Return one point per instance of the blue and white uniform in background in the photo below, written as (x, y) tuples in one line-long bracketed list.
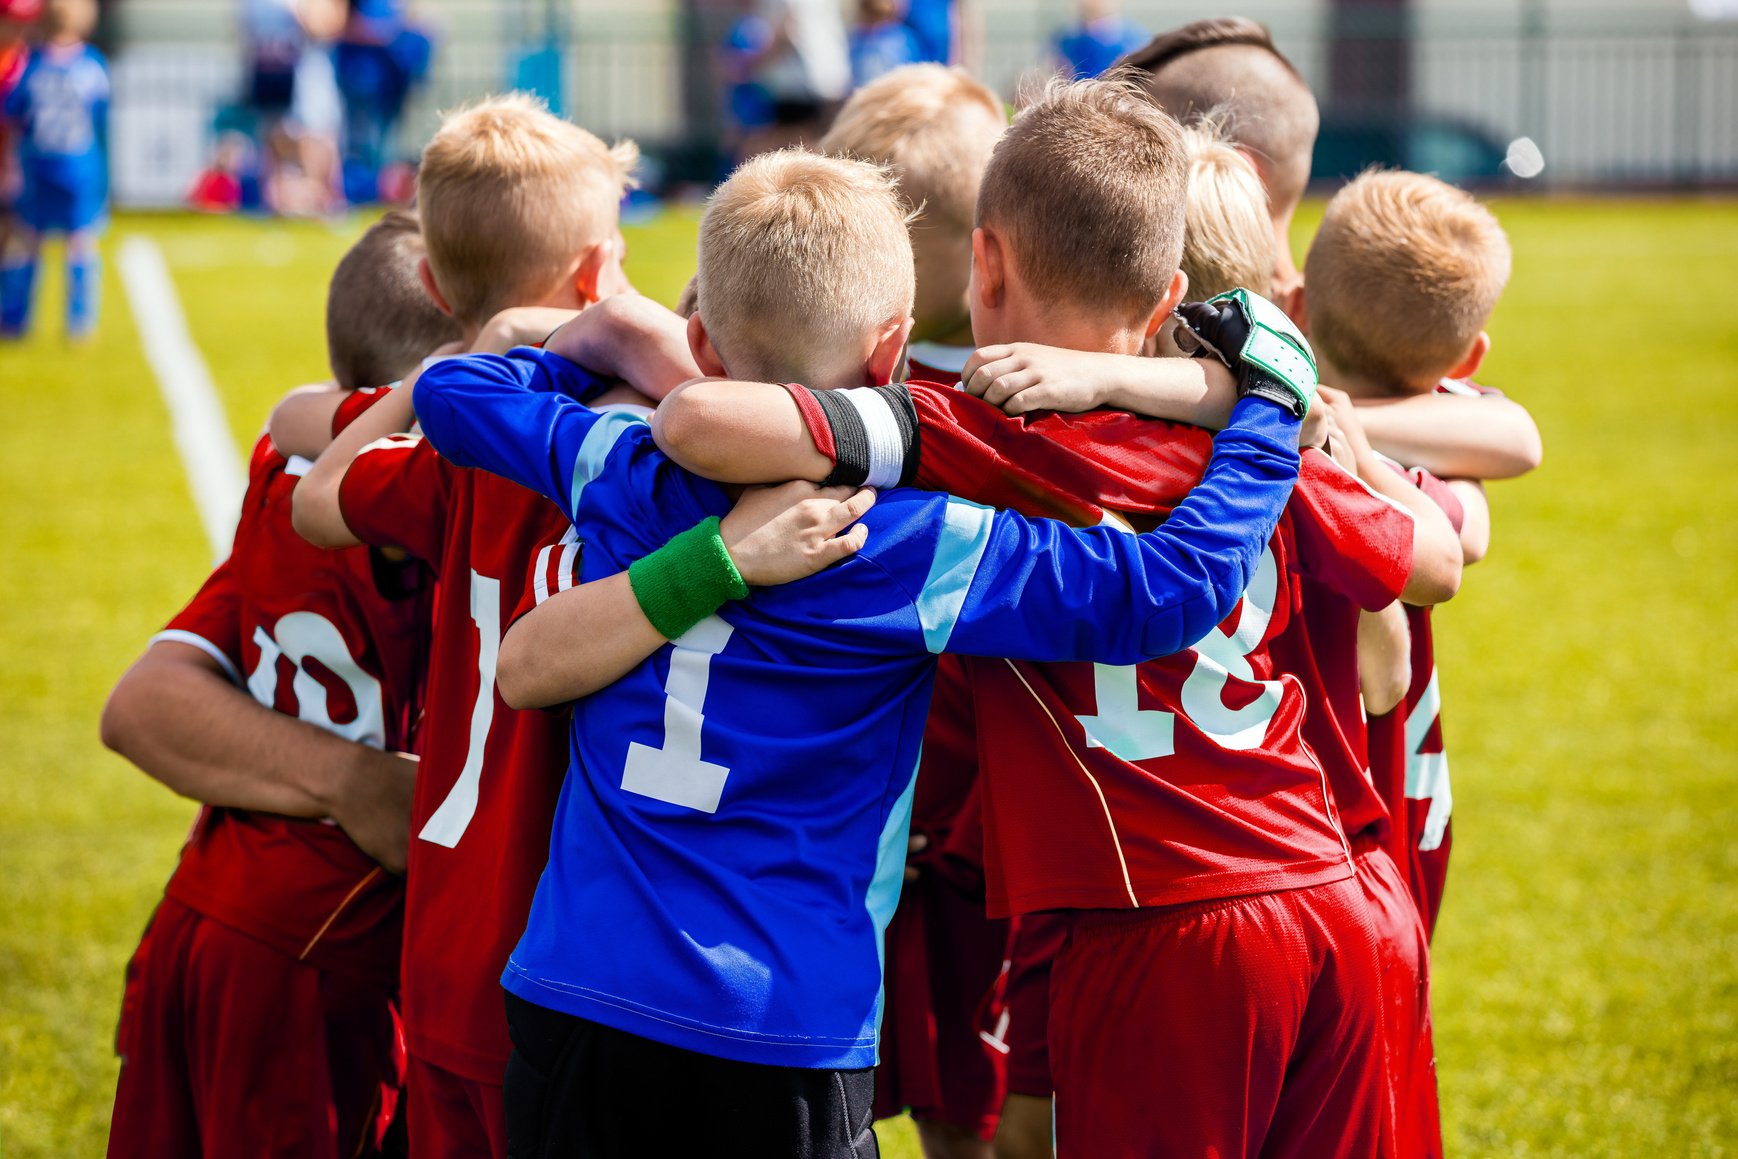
[(61, 109), (730, 840)]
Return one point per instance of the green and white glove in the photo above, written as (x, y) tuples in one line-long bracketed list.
[(1252, 336)]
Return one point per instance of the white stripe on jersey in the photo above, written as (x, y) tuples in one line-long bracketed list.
[(180, 636), (567, 567)]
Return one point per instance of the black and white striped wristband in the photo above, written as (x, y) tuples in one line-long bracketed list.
[(875, 435)]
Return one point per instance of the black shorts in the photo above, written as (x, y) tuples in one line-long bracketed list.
[(576, 1089)]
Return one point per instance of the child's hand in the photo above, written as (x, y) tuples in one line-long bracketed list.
[(784, 533), (1022, 377), (1348, 429)]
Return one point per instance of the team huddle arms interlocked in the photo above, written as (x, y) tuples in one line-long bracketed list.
[(973, 658)]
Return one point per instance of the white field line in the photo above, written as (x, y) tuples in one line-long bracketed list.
[(208, 453)]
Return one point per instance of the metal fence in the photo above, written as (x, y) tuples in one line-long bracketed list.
[(1610, 99)]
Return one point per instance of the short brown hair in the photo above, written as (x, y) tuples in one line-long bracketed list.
[(1089, 183), (933, 126), (1401, 277), (1227, 238), (510, 194), (801, 257), (380, 322), (1228, 67)]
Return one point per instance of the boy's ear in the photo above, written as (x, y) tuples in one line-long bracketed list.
[(434, 291), (1475, 356), (1296, 307), (1173, 297), (599, 272), (700, 346), (989, 268), (889, 348)]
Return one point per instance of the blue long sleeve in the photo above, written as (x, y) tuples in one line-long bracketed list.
[(1003, 585)]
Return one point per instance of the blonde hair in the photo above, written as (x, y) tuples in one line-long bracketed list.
[(801, 257), (1089, 185), (1227, 237), (510, 195), (934, 127), (1401, 277)]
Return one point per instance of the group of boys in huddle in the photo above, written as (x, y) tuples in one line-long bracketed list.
[(921, 673)]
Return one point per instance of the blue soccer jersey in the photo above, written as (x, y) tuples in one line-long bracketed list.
[(730, 839), (61, 106)]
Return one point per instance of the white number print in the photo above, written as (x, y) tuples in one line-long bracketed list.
[(1132, 733), (448, 823), (1427, 773), (303, 636), (675, 773)]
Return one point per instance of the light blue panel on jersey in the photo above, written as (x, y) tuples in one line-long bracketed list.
[(965, 533), (594, 450)]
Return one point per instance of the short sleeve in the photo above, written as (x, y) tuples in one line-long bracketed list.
[(1439, 493), (397, 493), (553, 569), (355, 404), (1349, 537), (211, 621)]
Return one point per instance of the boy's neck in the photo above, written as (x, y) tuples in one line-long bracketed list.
[(1358, 385), (1073, 330), (1286, 276)]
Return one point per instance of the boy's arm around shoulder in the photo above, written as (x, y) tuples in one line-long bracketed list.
[(1453, 437), (316, 510), (738, 432), (1040, 590)]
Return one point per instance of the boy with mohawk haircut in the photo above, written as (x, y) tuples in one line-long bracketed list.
[(1192, 843), (519, 209), (754, 891), (934, 128), (259, 1009)]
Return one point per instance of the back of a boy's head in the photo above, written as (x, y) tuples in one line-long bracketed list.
[(801, 258), (1401, 277), (1228, 67), (1088, 186), (510, 195), (934, 127), (1227, 237), (380, 321)]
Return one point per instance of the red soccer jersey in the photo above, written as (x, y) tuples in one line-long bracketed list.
[(333, 638), (490, 775), (1407, 755), (1179, 779)]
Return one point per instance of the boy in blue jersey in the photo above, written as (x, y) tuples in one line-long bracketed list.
[(61, 109), (731, 836)]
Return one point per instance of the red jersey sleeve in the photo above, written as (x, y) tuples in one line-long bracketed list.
[(397, 493), (1440, 493), (211, 621), (554, 568), (356, 404), (1350, 538)]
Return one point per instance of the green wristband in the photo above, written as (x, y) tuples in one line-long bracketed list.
[(686, 580)]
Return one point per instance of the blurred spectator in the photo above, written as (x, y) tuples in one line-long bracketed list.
[(805, 69), (932, 28), (293, 99), (380, 57), (60, 104), (1099, 40), (747, 103), (880, 41)]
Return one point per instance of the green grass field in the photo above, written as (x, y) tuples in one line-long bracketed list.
[(1587, 963)]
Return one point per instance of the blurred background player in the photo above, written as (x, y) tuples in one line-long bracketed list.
[(260, 1010), (60, 109), (1098, 38)]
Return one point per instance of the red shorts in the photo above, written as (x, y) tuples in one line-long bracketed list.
[(231, 1048), (1022, 1017), (943, 957), (1414, 1128), (453, 1117), (1237, 1027)]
